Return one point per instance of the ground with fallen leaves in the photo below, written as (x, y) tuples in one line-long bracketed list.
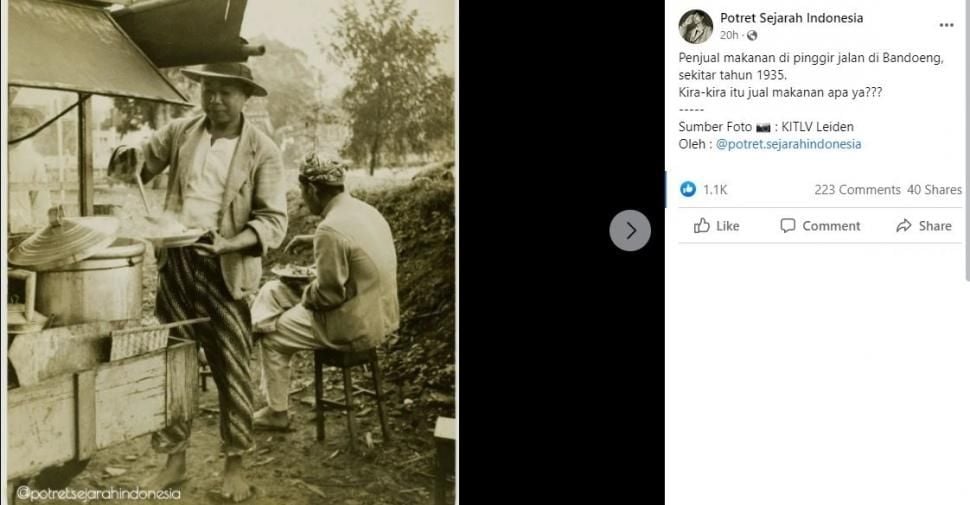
[(293, 467)]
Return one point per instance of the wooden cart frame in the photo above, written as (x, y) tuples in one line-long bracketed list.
[(70, 417)]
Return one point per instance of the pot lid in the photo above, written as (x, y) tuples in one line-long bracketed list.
[(65, 241)]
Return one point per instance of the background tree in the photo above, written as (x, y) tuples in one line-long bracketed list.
[(131, 113), (399, 101), (291, 82)]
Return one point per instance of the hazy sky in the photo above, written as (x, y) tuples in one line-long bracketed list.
[(299, 23)]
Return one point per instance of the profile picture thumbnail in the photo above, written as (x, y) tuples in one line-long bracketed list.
[(696, 26)]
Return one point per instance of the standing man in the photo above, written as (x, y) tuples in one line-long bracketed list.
[(352, 303), (226, 177)]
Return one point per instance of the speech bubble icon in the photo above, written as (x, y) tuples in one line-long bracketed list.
[(787, 224)]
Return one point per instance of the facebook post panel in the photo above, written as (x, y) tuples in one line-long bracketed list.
[(817, 303)]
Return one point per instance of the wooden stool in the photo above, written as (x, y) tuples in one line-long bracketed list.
[(204, 375), (444, 460), (205, 372), (346, 361)]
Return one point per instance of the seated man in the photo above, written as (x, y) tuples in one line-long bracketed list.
[(352, 304)]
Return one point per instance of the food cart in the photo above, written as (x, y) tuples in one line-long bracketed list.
[(89, 374)]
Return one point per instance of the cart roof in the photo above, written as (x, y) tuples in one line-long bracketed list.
[(186, 32), (74, 47)]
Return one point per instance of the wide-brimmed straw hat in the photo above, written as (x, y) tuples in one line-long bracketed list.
[(233, 71)]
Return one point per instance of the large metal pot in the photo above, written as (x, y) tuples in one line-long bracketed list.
[(106, 286)]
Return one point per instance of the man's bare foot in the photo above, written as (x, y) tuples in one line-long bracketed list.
[(234, 485), (172, 474), (269, 419)]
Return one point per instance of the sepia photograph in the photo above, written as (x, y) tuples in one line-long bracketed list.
[(230, 236)]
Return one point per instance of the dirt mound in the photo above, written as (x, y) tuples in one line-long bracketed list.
[(441, 171)]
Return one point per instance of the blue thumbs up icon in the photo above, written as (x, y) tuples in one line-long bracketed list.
[(688, 189)]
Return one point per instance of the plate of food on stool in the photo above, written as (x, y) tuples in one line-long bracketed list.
[(295, 275)]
